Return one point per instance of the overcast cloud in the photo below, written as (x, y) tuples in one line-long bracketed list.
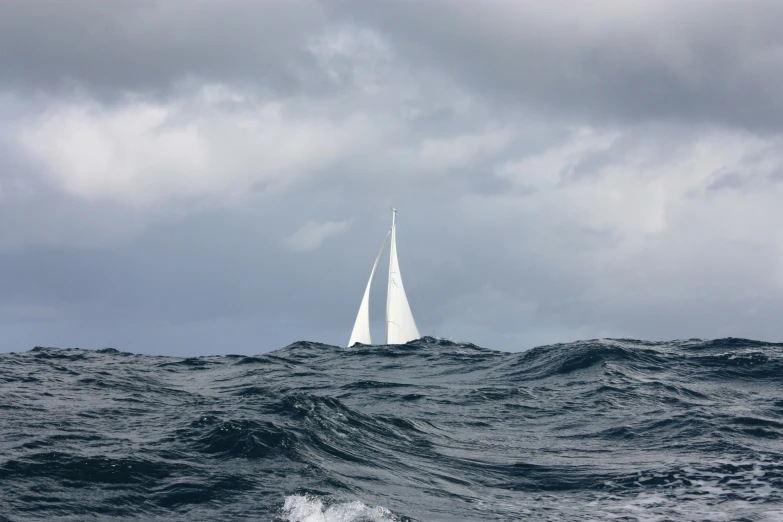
[(211, 177)]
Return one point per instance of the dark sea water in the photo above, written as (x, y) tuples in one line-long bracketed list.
[(432, 430)]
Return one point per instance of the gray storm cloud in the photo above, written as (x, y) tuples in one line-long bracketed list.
[(211, 177)]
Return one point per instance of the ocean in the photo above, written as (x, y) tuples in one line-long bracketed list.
[(432, 430)]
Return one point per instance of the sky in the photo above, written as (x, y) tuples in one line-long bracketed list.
[(206, 177)]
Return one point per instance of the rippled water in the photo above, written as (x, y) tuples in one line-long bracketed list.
[(431, 430)]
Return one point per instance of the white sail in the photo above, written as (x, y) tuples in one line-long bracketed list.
[(361, 328), (400, 326)]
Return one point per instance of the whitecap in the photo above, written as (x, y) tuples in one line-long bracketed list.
[(309, 508)]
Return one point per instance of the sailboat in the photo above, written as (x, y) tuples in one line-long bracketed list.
[(400, 326)]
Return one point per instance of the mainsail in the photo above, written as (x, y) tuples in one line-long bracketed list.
[(400, 326)]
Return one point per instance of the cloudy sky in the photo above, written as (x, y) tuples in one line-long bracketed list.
[(202, 177)]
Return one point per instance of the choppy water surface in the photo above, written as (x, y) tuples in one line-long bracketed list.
[(431, 430)]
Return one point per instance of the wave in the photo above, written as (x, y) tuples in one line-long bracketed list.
[(430, 430)]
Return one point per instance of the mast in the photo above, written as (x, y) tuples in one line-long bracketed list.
[(392, 253)]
